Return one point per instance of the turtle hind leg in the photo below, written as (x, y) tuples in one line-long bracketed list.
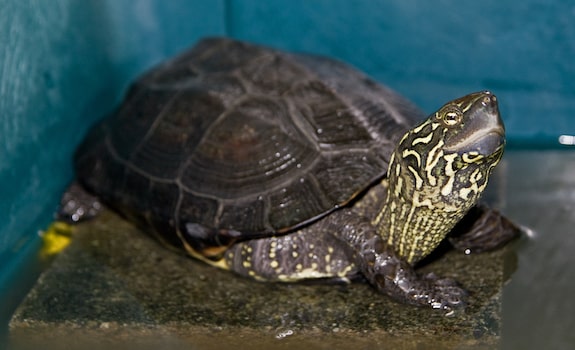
[(483, 229), (78, 205)]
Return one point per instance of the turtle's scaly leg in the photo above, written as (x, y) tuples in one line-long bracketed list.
[(305, 254), (483, 229), (76, 205), (338, 247), (391, 274)]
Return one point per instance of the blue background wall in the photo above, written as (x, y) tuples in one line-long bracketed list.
[(65, 63)]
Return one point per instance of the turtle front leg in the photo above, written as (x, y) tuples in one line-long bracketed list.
[(392, 275), (341, 246), (483, 229)]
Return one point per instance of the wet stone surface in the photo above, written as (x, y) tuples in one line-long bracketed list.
[(115, 284)]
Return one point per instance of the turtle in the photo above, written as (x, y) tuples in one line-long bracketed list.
[(284, 166)]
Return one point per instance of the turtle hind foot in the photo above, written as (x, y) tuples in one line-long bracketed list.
[(78, 205), (483, 229)]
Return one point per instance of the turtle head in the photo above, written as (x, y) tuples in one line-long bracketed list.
[(439, 170), (472, 128), (466, 141)]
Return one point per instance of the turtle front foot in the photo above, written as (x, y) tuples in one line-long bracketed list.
[(440, 293), (393, 276)]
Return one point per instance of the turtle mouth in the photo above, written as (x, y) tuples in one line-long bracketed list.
[(482, 131), (485, 142), (491, 142)]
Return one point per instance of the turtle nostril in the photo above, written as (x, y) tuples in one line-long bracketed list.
[(489, 99)]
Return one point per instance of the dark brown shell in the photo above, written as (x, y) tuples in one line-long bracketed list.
[(234, 136)]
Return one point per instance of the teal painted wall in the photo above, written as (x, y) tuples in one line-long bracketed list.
[(431, 51), (65, 63)]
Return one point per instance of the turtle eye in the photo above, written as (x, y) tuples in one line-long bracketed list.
[(451, 117)]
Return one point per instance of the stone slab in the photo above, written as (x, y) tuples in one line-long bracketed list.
[(115, 285)]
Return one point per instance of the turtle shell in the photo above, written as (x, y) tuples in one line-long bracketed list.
[(237, 137)]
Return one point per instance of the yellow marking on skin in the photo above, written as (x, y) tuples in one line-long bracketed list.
[(347, 270), (475, 176), (378, 217), (308, 273), (450, 158), (391, 160), (418, 179), (448, 188), (409, 152), (450, 173), (294, 254), (404, 232), (482, 187), (464, 192), (424, 203), (403, 138), (299, 267), (311, 246), (246, 264), (274, 264), (466, 108), (432, 158), (425, 139), (471, 157), (393, 211), (418, 129), (414, 244), (406, 226), (398, 186), (251, 273)]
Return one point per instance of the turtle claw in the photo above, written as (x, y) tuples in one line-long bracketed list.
[(78, 205), (442, 293), (396, 278)]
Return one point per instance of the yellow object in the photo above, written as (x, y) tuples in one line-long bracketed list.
[(56, 238)]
